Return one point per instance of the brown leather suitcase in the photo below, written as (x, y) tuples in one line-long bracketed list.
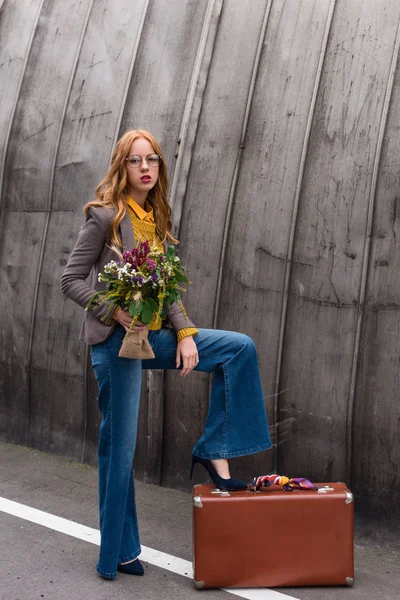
[(273, 538)]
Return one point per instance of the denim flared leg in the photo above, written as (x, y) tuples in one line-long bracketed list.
[(236, 424), (130, 533), (119, 382)]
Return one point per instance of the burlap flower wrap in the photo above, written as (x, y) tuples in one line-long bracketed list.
[(136, 345)]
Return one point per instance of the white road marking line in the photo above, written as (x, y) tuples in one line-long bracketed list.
[(148, 555), (51, 521)]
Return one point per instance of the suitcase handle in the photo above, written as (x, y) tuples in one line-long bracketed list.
[(284, 482)]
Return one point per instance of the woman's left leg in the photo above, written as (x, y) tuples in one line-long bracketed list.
[(236, 423)]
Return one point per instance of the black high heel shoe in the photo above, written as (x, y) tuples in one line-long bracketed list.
[(223, 484), (134, 567)]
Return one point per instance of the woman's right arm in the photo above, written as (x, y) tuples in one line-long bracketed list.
[(90, 244)]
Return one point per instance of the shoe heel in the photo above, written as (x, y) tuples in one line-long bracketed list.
[(219, 482)]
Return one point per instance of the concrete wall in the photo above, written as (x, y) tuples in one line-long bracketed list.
[(280, 124)]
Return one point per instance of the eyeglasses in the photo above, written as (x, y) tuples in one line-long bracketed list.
[(135, 161)]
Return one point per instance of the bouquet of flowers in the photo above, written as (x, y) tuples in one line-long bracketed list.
[(143, 282)]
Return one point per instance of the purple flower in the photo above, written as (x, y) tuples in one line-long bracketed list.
[(154, 277), (136, 280), (139, 253)]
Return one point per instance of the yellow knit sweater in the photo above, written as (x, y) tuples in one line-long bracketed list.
[(144, 228)]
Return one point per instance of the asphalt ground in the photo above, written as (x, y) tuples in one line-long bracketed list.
[(37, 561)]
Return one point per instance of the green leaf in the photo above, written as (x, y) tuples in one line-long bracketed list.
[(92, 299), (150, 307), (179, 276), (135, 308), (170, 252)]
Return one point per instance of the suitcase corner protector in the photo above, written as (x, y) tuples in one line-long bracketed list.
[(198, 584), (197, 502), (349, 498), (349, 581)]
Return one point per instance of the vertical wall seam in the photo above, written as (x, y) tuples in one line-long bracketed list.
[(65, 107), (85, 401), (293, 226), (14, 108), (366, 256), (155, 394), (190, 119), (49, 206), (189, 125), (5, 149), (149, 382), (129, 77), (232, 191)]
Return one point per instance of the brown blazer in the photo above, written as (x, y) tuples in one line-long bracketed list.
[(89, 256)]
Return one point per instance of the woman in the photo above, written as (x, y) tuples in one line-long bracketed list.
[(131, 205)]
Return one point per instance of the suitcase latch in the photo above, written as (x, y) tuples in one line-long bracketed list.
[(220, 492), (324, 489)]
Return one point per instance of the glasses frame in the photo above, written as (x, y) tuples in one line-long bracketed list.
[(144, 158)]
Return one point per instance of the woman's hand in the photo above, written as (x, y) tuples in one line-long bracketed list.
[(186, 353), (125, 319)]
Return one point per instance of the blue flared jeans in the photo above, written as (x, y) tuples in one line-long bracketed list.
[(236, 423)]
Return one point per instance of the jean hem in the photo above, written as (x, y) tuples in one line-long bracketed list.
[(106, 575), (129, 557), (216, 455)]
